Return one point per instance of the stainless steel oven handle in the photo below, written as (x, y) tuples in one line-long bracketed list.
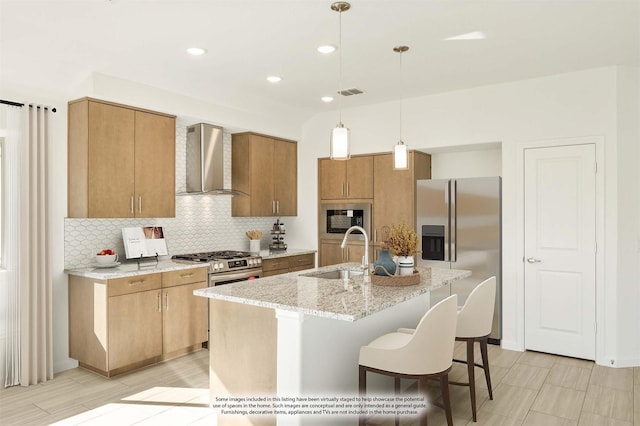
[(213, 278)]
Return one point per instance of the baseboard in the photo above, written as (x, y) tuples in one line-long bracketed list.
[(624, 363)]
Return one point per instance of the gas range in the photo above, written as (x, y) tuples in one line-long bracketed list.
[(223, 261)]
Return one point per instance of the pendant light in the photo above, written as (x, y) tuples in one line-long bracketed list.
[(340, 134), (400, 155)]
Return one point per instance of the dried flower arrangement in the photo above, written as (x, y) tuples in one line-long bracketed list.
[(403, 240)]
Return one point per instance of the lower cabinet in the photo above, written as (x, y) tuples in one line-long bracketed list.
[(184, 320), (331, 253), (285, 264), (134, 324), (121, 324)]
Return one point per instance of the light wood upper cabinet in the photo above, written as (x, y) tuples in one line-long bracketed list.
[(394, 191), (346, 179), (265, 168), (121, 161), (155, 159)]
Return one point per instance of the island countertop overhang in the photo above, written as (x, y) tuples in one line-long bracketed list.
[(345, 300)]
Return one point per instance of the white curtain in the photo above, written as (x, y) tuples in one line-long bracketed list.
[(29, 352)]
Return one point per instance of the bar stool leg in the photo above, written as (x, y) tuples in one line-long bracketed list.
[(422, 390), (472, 377), (485, 364), (397, 392), (362, 384), (444, 387)]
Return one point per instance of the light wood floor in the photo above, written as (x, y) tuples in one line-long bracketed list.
[(529, 389)]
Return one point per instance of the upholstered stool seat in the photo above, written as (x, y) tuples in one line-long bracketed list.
[(425, 353)]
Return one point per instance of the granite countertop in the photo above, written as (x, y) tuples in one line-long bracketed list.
[(128, 269), (346, 300), (290, 252)]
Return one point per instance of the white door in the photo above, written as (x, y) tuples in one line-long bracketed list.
[(560, 250)]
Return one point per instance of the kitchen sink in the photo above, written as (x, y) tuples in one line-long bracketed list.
[(335, 274)]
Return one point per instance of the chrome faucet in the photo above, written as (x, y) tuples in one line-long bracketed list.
[(365, 258)]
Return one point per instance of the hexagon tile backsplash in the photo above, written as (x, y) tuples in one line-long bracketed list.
[(202, 222)]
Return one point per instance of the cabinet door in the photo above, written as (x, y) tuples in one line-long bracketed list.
[(359, 177), (135, 328), (355, 253), (285, 178), (110, 161), (155, 156), (332, 179), (393, 200), (184, 319), (262, 167), (330, 254)]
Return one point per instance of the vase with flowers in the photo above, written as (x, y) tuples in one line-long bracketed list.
[(403, 242)]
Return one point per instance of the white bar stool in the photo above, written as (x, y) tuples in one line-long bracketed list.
[(425, 353), (475, 320)]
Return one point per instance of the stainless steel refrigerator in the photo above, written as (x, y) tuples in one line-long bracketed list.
[(459, 225)]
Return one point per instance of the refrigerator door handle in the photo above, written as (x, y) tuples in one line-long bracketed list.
[(447, 230), (453, 226)]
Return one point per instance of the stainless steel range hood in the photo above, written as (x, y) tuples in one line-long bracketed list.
[(205, 161)]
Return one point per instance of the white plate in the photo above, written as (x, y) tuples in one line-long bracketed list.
[(106, 265)]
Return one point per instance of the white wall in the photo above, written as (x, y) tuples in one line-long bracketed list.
[(561, 106), (568, 105), (628, 292), (467, 163)]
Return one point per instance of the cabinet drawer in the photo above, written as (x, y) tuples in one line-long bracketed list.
[(133, 284), (184, 276), (274, 264), (307, 260)]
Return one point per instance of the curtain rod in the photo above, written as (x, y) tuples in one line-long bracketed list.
[(18, 104)]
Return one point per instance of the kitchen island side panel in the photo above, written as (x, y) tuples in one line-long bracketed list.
[(242, 356)]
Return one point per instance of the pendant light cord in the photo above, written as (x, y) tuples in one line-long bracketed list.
[(401, 97), (340, 67)]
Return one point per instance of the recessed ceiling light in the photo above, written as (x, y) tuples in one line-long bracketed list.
[(274, 79), (475, 35), (327, 48), (327, 99), (196, 51)]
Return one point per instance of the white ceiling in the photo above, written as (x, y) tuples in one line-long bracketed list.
[(53, 46)]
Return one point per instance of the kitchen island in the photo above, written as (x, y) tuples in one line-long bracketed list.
[(298, 335)]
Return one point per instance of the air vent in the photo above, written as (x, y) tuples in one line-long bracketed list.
[(349, 92)]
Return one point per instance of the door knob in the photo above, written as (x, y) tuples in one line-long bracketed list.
[(533, 260)]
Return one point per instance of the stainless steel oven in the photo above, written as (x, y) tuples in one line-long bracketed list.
[(226, 266), (336, 219), (233, 277)]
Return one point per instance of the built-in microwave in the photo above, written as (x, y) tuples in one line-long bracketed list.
[(336, 219)]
